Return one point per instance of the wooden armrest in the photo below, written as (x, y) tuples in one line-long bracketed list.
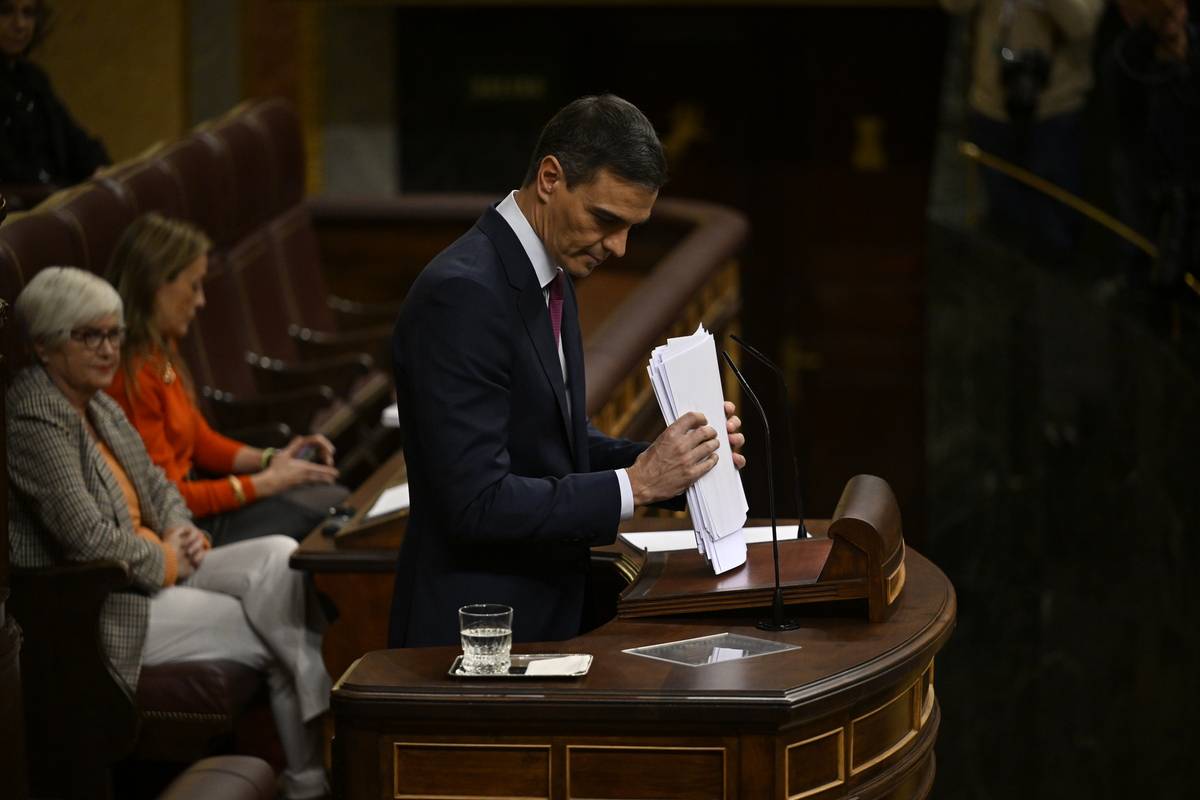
[(352, 315), (374, 341), (294, 409), (337, 372), (69, 682)]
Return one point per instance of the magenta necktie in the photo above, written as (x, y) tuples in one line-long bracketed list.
[(555, 305)]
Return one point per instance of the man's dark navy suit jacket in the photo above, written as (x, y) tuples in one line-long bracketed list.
[(508, 488)]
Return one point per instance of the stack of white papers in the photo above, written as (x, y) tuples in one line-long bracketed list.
[(685, 377)]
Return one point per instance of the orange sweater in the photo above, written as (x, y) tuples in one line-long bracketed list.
[(178, 438), (170, 560)]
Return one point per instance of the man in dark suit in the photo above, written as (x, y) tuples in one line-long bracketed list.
[(510, 484)]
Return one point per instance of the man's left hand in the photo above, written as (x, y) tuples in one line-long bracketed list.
[(733, 426)]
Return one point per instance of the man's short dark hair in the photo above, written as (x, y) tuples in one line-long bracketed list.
[(601, 132)]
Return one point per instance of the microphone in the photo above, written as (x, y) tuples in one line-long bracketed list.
[(777, 621), (787, 419)]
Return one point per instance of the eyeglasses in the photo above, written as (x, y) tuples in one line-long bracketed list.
[(92, 337)]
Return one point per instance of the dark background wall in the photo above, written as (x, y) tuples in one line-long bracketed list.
[(1063, 505)]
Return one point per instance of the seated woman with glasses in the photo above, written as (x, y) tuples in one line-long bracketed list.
[(82, 488), (158, 268)]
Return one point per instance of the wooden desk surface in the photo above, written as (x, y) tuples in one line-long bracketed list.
[(365, 546), (837, 654)]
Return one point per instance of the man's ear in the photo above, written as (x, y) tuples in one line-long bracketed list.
[(549, 178)]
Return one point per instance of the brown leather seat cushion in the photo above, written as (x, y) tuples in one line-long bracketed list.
[(150, 186), (189, 706), (27, 245), (97, 216), (276, 122), (214, 688), (226, 778), (255, 188), (207, 181)]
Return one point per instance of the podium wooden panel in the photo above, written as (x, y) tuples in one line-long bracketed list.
[(852, 713)]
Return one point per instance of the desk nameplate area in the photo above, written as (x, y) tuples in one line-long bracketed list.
[(717, 648)]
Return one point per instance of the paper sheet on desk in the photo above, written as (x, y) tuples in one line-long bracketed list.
[(561, 665), (391, 500), (663, 541), (390, 418)]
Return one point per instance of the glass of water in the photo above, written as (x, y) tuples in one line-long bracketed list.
[(486, 630)]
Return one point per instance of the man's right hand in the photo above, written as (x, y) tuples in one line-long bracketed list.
[(682, 453)]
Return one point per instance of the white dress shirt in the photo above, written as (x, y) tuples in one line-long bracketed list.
[(546, 271)]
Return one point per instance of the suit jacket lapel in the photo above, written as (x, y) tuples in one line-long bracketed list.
[(532, 306)]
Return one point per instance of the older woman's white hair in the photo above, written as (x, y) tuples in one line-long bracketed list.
[(60, 299)]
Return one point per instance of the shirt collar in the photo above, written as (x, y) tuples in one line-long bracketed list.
[(542, 266)]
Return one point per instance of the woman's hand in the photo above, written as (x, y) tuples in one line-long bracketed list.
[(287, 470), (315, 448), (189, 544)]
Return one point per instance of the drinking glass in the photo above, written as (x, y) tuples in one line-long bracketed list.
[(486, 631)]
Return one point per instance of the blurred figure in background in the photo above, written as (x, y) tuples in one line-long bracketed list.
[(40, 144), (1031, 72), (1155, 62), (235, 491)]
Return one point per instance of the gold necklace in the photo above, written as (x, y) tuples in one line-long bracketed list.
[(168, 375)]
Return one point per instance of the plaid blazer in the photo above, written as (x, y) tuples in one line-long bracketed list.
[(65, 504)]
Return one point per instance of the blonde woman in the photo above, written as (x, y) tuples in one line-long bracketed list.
[(235, 491)]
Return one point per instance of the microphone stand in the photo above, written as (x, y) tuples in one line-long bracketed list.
[(787, 419), (777, 621)]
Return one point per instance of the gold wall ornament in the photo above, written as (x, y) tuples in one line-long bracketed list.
[(687, 128), (868, 154)]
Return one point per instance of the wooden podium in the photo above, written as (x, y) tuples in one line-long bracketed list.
[(851, 713), (862, 558)]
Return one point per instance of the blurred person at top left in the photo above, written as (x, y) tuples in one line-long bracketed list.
[(40, 144), (235, 491)]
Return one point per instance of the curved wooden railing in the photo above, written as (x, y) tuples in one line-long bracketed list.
[(977, 155), (696, 282), (374, 244)]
